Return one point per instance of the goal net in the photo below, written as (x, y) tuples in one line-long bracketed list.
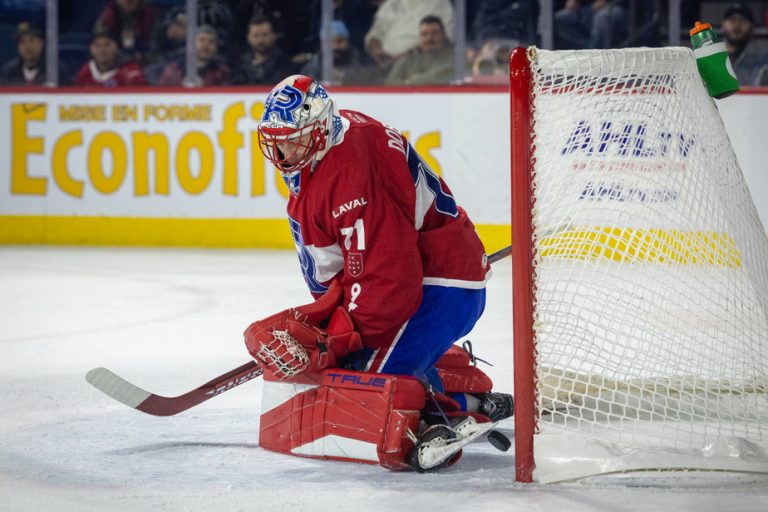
[(640, 271)]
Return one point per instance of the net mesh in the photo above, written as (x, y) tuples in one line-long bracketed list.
[(651, 264)]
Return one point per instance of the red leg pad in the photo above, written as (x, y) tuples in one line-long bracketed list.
[(352, 416), (458, 374), (465, 380), (454, 357)]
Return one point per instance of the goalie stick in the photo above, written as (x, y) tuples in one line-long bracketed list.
[(133, 396), (500, 254), (137, 398)]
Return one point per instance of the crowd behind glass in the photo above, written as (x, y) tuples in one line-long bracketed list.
[(115, 43)]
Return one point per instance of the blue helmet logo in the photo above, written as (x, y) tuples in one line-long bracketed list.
[(282, 104)]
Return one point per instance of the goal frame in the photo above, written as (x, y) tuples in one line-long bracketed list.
[(520, 80), (709, 397)]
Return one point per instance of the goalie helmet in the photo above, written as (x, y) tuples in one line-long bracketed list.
[(297, 123)]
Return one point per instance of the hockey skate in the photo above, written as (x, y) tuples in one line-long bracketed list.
[(440, 445), (497, 406)]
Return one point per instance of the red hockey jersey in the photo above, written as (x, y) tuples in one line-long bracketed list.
[(373, 215), (126, 74)]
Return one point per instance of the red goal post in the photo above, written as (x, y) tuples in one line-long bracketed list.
[(522, 252)]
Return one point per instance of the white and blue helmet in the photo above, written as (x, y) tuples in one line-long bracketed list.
[(298, 123)]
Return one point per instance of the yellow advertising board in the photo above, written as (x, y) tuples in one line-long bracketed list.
[(185, 168)]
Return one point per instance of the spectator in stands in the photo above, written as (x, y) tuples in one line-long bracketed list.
[(491, 65), (106, 67), (395, 28), (295, 22), (358, 16), (210, 67), (133, 22), (431, 62), (762, 76), (610, 23), (350, 65), (265, 62), (170, 35), (505, 19), (746, 56), (573, 25), (29, 67), (168, 42), (218, 14)]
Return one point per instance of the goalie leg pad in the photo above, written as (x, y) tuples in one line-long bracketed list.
[(459, 375), (350, 416)]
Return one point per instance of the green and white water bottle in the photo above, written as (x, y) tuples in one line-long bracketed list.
[(713, 62)]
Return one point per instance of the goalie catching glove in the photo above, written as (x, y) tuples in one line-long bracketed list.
[(293, 341)]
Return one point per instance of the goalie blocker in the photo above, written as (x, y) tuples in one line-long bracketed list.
[(361, 417)]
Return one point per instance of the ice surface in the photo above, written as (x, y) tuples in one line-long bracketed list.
[(169, 320)]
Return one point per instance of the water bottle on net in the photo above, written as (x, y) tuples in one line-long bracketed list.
[(712, 60)]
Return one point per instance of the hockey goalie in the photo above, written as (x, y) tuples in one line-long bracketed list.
[(369, 371)]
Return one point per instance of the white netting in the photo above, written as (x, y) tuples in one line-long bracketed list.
[(651, 266), (284, 355)]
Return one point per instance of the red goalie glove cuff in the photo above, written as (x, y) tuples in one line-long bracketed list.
[(342, 334), (317, 312)]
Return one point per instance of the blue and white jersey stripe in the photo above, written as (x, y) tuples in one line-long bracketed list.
[(429, 189), (318, 264)]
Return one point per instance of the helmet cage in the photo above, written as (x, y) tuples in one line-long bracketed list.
[(296, 123), (289, 148)]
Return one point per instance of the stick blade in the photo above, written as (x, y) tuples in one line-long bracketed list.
[(116, 387)]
